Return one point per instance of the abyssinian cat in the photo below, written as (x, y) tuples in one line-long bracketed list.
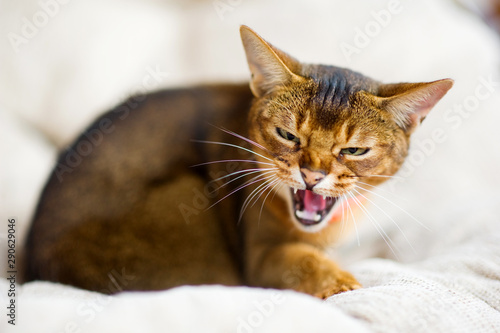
[(225, 184)]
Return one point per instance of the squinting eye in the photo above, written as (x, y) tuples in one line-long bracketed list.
[(287, 135), (354, 151)]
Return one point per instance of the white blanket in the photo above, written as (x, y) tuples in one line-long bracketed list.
[(428, 256)]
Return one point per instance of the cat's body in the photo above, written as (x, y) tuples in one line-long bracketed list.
[(136, 203), (131, 202)]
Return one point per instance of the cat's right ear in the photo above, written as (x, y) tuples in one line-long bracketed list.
[(269, 66), (409, 103)]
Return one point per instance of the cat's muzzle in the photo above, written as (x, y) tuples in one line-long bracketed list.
[(311, 208)]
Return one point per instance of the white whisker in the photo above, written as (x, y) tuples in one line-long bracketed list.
[(236, 190), (342, 221), (243, 138), (277, 190), (254, 193), (390, 218), (277, 182), (353, 218), (377, 226), (244, 175), (378, 188), (397, 206), (379, 176), (234, 146), (246, 172), (227, 161)]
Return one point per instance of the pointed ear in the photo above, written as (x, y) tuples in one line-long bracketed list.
[(409, 103), (269, 66)]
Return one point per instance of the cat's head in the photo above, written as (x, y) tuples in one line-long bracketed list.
[(329, 131)]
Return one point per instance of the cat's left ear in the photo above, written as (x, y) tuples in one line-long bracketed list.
[(270, 67), (409, 103)]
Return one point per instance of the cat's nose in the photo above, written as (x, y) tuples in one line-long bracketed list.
[(311, 178)]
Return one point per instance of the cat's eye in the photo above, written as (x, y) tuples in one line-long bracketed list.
[(287, 135), (354, 151)]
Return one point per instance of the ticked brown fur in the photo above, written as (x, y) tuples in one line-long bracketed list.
[(146, 209)]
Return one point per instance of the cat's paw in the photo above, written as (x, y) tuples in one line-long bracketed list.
[(337, 288), (328, 280)]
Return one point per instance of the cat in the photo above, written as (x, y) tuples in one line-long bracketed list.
[(225, 184)]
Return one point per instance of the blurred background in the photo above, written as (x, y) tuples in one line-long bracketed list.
[(64, 62)]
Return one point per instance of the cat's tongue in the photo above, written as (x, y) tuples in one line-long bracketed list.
[(311, 208), (313, 202)]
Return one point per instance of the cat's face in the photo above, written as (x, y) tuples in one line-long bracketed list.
[(329, 133), (324, 154)]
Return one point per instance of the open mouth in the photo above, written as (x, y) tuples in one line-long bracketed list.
[(311, 208)]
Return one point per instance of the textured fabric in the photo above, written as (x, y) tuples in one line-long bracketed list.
[(455, 292), (47, 307)]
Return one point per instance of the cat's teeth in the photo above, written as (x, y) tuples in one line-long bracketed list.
[(309, 215), (305, 215), (295, 190), (324, 197)]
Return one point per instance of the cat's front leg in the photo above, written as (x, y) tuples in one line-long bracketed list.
[(301, 267)]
